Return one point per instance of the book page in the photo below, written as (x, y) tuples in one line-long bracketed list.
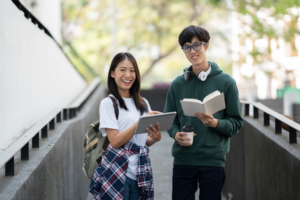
[(189, 108), (214, 105), (192, 100), (211, 95)]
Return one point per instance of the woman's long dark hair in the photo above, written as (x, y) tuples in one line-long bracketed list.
[(139, 102)]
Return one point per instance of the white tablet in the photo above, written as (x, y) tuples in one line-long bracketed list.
[(165, 120)]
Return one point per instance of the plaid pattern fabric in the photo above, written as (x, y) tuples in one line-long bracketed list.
[(109, 178)]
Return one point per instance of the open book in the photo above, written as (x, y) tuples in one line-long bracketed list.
[(211, 104)]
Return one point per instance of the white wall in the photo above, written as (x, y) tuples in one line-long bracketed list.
[(48, 12), (35, 76)]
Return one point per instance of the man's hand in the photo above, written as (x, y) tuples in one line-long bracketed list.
[(207, 119), (182, 139)]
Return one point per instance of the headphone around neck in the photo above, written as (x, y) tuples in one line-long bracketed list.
[(201, 76)]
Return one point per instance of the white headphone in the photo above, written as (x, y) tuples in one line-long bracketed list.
[(203, 75)]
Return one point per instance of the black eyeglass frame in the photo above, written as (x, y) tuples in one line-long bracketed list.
[(192, 46)]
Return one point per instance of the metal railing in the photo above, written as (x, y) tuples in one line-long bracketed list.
[(279, 119), (7, 156)]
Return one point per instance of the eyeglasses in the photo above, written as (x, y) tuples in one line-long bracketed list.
[(196, 46)]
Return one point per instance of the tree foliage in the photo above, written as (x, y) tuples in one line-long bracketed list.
[(272, 18), (148, 28)]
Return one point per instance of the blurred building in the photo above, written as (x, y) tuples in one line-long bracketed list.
[(262, 65)]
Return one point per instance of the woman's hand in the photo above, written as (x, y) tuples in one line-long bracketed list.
[(155, 133), (152, 112)]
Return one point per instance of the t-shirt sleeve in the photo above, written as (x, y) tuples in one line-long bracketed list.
[(107, 116), (148, 105)]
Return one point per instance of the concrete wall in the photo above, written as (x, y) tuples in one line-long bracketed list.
[(35, 75), (262, 165), (48, 13), (296, 113), (54, 172), (274, 104)]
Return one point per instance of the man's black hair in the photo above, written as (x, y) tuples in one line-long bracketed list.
[(189, 32)]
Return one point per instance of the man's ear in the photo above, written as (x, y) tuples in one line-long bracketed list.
[(112, 74), (206, 46)]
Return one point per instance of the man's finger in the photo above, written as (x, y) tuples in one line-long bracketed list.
[(185, 138), (200, 116), (183, 143), (197, 114), (206, 115), (182, 134)]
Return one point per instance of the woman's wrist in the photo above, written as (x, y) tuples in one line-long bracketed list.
[(153, 139)]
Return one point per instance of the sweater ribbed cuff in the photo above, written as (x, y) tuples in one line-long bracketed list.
[(222, 126), (174, 131)]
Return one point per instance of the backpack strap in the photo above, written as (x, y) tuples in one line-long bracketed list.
[(106, 141)]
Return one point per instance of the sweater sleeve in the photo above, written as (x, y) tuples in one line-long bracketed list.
[(170, 106), (233, 120)]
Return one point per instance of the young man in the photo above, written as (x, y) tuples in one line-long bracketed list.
[(202, 162)]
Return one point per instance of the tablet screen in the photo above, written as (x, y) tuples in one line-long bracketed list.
[(165, 120)]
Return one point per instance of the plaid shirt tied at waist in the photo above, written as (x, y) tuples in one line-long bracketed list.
[(109, 178)]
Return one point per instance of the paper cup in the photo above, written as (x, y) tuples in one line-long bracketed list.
[(190, 135)]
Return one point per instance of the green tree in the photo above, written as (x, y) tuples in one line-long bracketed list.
[(98, 29)]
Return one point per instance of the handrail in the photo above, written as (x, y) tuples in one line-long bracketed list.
[(34, 20), (277, 115), (279, 119), (7, 156), (32, 133)]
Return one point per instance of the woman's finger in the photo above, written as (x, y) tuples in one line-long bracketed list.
[(153, 128), (156, 112), (158, 127)]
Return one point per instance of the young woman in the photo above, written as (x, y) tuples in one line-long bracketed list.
[(125, 170)]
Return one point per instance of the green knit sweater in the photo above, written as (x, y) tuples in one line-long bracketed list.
[(210, 145)]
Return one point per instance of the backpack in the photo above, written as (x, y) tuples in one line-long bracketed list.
[(95, 145)]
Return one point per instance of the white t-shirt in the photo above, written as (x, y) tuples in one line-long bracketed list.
[(125, 120)]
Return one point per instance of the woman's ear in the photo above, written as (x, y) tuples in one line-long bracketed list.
[(112, 74)]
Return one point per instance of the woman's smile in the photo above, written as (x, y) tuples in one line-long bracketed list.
[(126, 82)]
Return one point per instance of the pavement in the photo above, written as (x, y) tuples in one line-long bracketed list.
[(162, 165)]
